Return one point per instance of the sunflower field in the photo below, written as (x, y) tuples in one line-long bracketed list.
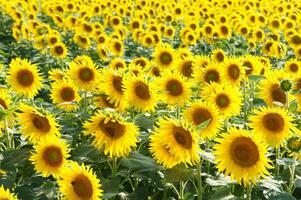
[(150, 99)]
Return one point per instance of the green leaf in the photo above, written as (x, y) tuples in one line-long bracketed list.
[(220, 181), (144, 122), (222, 193), (24, 192), (139, 163), (110, 187), (203, 125), (256, 77), (177, 174), (271, 184), (13, 158), (283, 196), (293, 106), (258, 102), (286, 161)]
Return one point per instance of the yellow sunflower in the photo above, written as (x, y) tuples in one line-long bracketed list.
[(173, 88), (227, 98), (251, 64), (233, 71), (140, 93), (116, 47), (112, 85), (164, 56), (82, 40), (211, 73), (24, 77), (272, 124), (117, 63), (185, 66), (50, 156), (270, 90), (174, 142), (56, 74), (199, 112), (36, 125), (79, 182), (218, 55), (241, 156), (112, 134), (6, 195), (83, 73), (293, 66), (59, 50), (65, 95)]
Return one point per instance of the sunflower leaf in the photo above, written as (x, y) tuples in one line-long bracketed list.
[(178, 173)]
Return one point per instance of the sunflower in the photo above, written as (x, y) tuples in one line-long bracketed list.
[(112, 85), (101, 101), (78, 182), (82, 40), (24, 77), (271, 91), (173, 88), (174, 142), (83, 73), (53, 38), (59, 50), (117, 63), (112, 134), (50, 156), (226, 97), (164, 56), (292, 66), (36, 125), (140, 93), (116, 47), (6, 195), (251, 64), (224, 31), (241, 156), (218, 55), (56, 74), (185, 66), (199, 112), (233, 71), (65, 95), (272, 124), (5, 101), (211, 73)]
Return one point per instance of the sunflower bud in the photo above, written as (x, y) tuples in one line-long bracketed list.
[(286, 85), (294, 144)]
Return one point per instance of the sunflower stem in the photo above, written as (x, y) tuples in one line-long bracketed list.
[(276, 164), (199, 181), (85, 101), (249, 191), (114, 167), (291, 186), (181, 192)]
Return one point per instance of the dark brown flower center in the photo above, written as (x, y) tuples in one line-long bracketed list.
[(68, 94), (117, 83), (3, 103), (25, 78), (244, 152), (174, 87), (183, 137), (117, 46), (86, 74), (112, 129), (293, 67), (296, 39), (142, 90), (187, 69), (277, 94), (53, 40), (212, 76), (249, 67), (41, 123), (53, 156), (59, 50), (201, 115), (165, 58), (220, 57), (273, 122), (233, 71), (222, 101), (82, 187)]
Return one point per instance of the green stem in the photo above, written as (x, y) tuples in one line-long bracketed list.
[(276, 164), (114, 167), (199, 181), (181, 193), (85, 101), (248, 191), (292, 170), (165, 193)]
